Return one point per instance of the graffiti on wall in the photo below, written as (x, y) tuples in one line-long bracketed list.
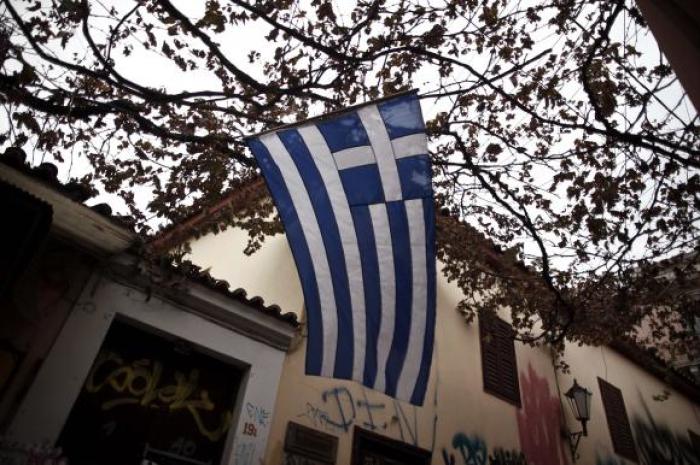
[(339, 410), (472, 450), (507, 457), (539, 421), (256, 419), (146, 396), (140, 383), (16, 453), (244, 453), (659, 445), (257, 415), (656, 444)]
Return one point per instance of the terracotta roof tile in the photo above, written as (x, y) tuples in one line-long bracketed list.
[(201, 276)]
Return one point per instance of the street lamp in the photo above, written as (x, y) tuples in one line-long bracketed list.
[(580, 403)]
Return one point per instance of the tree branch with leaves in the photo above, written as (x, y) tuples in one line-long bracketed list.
[(557, 130)]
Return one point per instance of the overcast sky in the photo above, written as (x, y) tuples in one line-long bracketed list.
[(150, 68)]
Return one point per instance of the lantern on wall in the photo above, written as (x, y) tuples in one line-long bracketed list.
[(580, 402)]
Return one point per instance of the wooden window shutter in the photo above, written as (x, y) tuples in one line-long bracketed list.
[(618, 422), (306, 445), (498, 363)]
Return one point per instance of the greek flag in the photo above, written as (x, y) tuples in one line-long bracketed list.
[(353, 190)]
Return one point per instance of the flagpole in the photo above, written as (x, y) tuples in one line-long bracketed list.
[(332, 113)]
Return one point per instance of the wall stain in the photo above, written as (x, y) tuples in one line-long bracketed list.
[(539, 421)]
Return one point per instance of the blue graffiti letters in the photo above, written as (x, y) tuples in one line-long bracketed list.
[(346, 417), (369, 407), (472, 449)]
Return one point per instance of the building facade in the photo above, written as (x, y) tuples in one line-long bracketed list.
[(112, 357), (109, 357), (481, 407)]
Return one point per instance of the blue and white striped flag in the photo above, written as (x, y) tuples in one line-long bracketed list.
[(353, 190)]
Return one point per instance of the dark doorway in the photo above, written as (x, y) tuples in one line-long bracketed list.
[(151, 399), (372, 449)]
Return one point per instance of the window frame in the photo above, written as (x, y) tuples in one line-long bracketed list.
[(504, 382), (414, 455), (618, 421), (306, 443)]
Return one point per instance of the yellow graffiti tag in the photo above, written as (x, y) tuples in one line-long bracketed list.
[(140, 383)]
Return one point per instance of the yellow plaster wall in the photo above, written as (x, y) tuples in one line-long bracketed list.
[(269, 273), (337, 406), (462, 414), (651, 419)]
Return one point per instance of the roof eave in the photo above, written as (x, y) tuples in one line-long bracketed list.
[(74, 221), (237, 314)]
